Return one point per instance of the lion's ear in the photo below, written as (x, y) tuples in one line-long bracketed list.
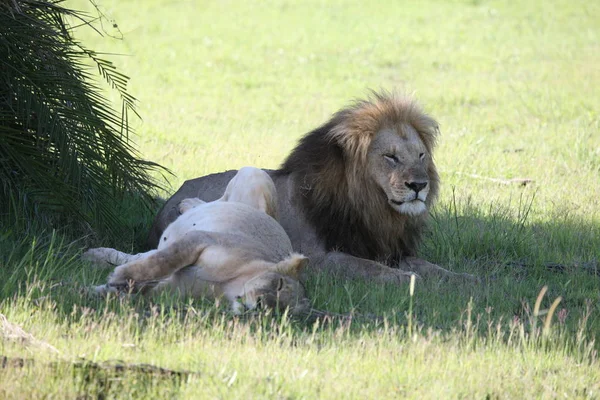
[(292, 265), (301, 262)]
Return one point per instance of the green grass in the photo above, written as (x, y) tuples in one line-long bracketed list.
[(221, 85)]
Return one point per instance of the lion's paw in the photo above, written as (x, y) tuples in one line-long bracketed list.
[(468, 277), (396, 276)]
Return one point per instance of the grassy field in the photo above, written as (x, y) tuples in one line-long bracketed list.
[(514, 85)]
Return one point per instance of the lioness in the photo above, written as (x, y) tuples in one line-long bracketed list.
[(232, 247), (354, 194)]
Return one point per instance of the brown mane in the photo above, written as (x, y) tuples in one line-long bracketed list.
[(349, 212)]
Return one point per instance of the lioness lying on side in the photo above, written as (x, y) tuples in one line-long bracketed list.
[(232, 247)]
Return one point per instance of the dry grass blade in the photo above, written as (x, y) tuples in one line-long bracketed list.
[(538, 302), (548, 321), (502, 181), (313, 315)]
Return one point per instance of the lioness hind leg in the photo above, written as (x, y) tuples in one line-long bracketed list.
[(106, 257), (254, 187), (164, 262)]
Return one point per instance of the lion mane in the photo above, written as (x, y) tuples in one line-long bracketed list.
[(339, 199)]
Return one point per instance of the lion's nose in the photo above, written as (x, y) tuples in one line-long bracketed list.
[(416, 186)]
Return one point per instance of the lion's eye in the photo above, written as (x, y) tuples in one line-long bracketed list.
[(391, 158), (422, 156)]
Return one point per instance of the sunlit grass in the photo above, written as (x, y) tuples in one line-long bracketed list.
[(221, 85), (267, 356)]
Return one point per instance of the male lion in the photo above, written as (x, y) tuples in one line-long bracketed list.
[(231, 248), (354, 193)]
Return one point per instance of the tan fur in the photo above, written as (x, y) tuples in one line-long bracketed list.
[(249, 186), (232, 248), (358, 125), (354, 194)]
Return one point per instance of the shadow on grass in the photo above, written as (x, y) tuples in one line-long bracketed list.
[(101, 380), (513, 257)]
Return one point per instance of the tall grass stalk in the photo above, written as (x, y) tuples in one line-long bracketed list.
[(411, 293)]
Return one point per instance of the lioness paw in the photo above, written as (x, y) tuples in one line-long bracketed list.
[(237, 308), (103, 257), (188, 204), (103, 290)]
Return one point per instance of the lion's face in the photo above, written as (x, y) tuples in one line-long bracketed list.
[(276, 291), (398, 161)]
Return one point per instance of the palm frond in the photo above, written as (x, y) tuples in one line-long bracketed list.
[(63, 149)]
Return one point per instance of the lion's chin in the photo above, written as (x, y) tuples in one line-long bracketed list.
[(413, 207)]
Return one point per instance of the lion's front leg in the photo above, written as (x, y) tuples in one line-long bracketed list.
[(352, 267), (106, 257)]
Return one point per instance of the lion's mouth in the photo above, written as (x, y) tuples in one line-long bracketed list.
[(409, 207), (399, 203)]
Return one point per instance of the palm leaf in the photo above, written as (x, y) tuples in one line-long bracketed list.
[(65, 152)]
